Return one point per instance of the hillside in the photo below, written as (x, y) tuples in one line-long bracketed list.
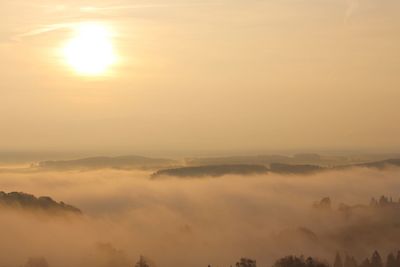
[(216, 170), (121, 162), (26, 201), (212, 170)]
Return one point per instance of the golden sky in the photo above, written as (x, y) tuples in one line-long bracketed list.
[(203, 75)]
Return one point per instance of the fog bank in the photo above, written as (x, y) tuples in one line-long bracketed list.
[(196, 222)]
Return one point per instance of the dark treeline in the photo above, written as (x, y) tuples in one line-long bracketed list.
[(382, 202), (375, 260)]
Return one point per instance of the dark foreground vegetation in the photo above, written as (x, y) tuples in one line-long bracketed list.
[(375, 260)]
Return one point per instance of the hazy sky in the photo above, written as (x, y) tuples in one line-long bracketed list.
[(204, 75)]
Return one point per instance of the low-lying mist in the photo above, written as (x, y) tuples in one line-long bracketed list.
[(192, 222)]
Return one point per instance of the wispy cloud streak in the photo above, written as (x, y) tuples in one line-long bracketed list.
[(78, 14), (94, 9)]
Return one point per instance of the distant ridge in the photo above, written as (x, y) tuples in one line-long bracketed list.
[(30, 202), (251, 169), (295, 168), (381, 164), (297, 159), (121, 162), (237, 169), (241, 165), (212, 170)]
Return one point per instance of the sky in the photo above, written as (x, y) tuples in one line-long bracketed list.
[(203, 75)]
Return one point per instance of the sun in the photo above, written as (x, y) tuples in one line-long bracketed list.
[(90, 51)]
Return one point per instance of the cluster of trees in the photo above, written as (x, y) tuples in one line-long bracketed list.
[(348, 261), (142, 262), (374, 261), (294, 261), (384, 202), (323, 204), (42, 262), (289, 261), (245, 262)]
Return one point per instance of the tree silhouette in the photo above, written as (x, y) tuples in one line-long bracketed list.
[(376, 260), (293, 261), (245, 262), (323, 204), (398, 258), (350, 262), (142, 262), (366, 263), (391, 261), (338, 261)]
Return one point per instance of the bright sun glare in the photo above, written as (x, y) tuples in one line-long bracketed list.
[(90, 51)]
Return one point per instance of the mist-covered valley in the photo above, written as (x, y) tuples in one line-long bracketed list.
[(206, 220)]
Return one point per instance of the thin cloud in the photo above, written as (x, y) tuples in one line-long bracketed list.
[(94, 9), (43, 30), (46, 29), (97, 10)]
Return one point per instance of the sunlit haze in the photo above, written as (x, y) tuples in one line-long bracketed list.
[(200, 75), (200, 133)]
